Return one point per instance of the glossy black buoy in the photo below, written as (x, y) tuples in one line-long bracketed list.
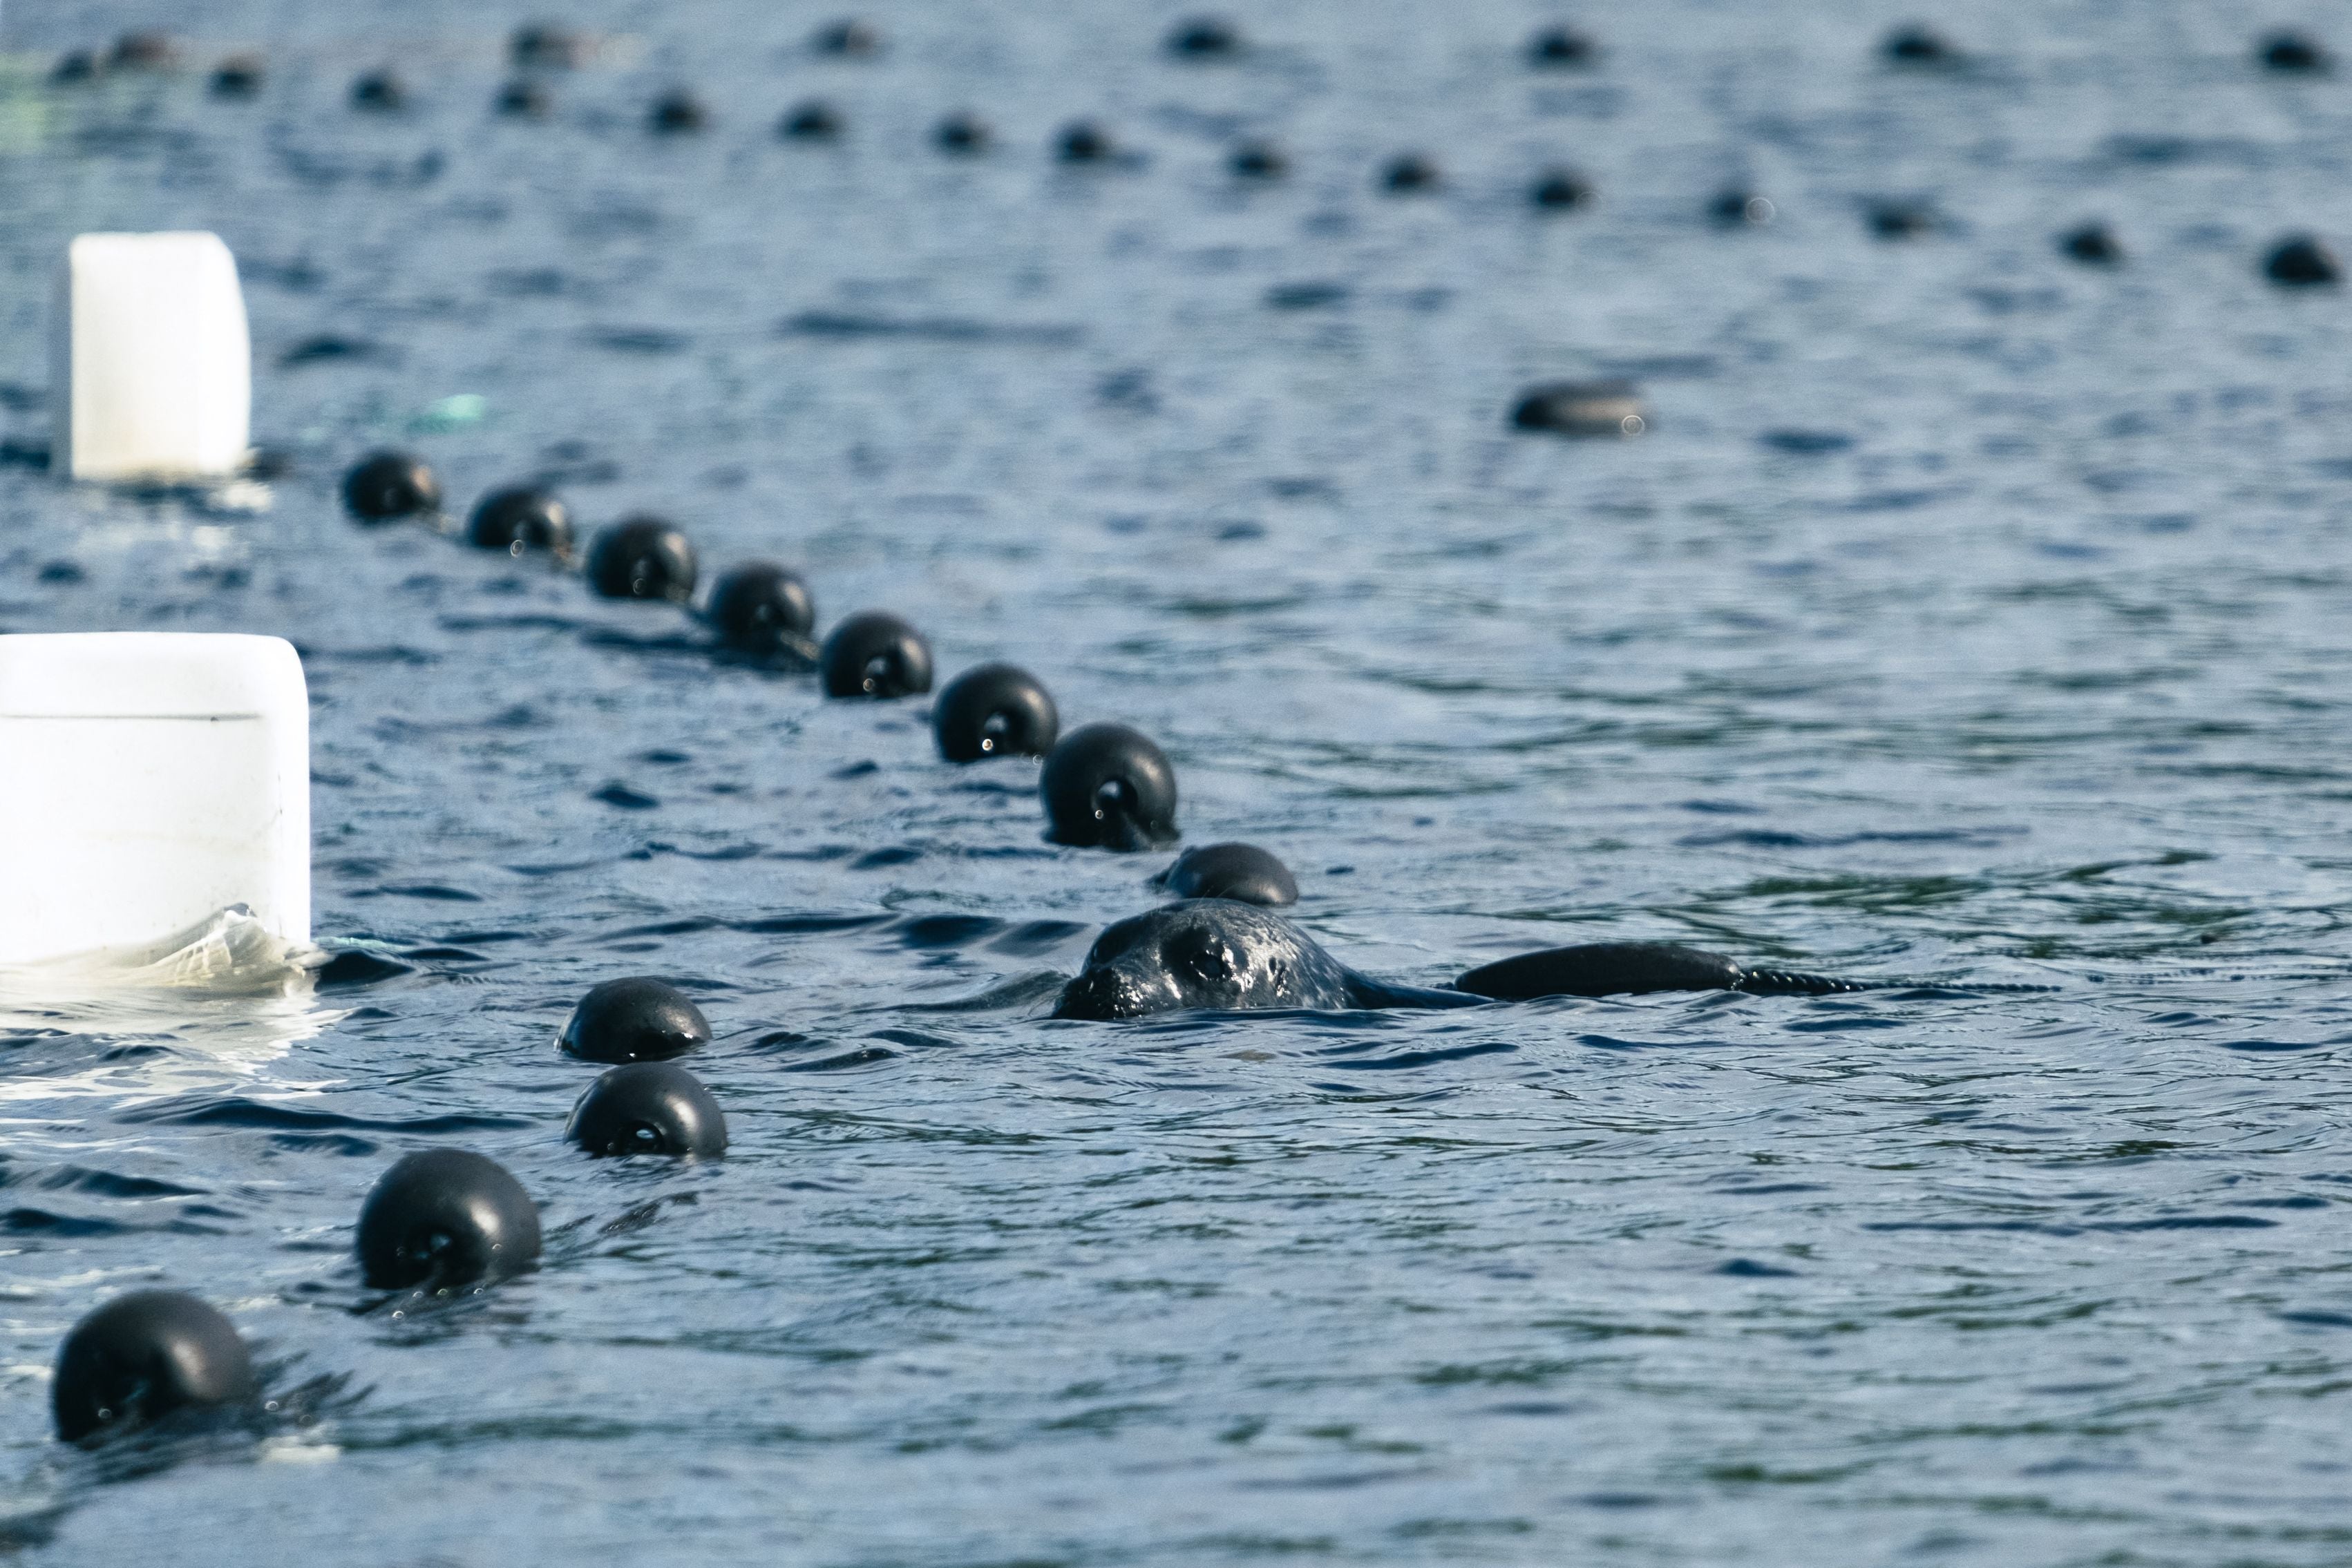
[(636, 1020), (446, 1219), (2293, 52), (378, 92), (145, 1355), (961, 132), (994, 710), (1900, 220), (547, 46), (815, 121), (1561, 189), (642, 557), (1553, 47), (524, 99), (239, 77), (1601, 408), (1084, 141), (2302, 261), (1736, 205), (76, 68), (1410, 173), (386, 485), (848, 39), (649, 1108), (1241, 872), (677, 112), (760, 608), (873, 655), (145, 52), (1106, 785), (1918, 45), (2093, 245), (1258, 159), (521, 518), (1204, 39)]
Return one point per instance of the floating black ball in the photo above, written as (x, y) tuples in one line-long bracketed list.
[(1901, 220), (1556, 46), (524, 99), (380, 91), (387, 485), (1204, 39), (2302, 261), (649, 1108), (444, 1218), (2292, 52), (519, 519), (761, 608), (1560, 189), (994, 710), (812, 121), (1737, 205), (1259, 161), (642, 557), (873, 654), (1242, 872), (1409, 173), (963, 134), (1107, 786), (677, 111), (239, 76), (849, 38), (636, 1020), (547, 46), (1582, 409), (1083, 141), (75, 69), (2093, 245), (143, 1355), (1917, 46), (145, 52)]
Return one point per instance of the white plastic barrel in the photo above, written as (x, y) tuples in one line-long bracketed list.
[(152, 366), (148, 781)]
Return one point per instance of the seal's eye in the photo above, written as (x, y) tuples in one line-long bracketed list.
[(1202, 956)]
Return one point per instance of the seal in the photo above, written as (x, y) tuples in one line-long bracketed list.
[(636, 1020), (145, 1355), (1216, 953), (994, 710), (649, 1108), (385, 487), (446, 1219)]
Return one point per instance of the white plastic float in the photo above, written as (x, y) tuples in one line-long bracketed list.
[(154, 801), (151, 374)]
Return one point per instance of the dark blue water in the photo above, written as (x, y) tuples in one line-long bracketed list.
[(1968, 616)]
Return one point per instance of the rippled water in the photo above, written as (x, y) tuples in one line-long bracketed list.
[(1968, 618)]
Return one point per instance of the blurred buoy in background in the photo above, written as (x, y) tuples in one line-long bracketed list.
[(875, 655), (2302, 261), (761, 609), (676, 113), (519, 519), (961, 132), (642, 557), (385, 487), (378, 92), (1599, 408), (2093, 245)]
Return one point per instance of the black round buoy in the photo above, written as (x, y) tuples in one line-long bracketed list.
[(519, 519), (386, 485), (1737, 205), (239, 76), (1257, 160), (524, 99), (814, 120), (548, 46), (649, 1108), (849, 38), (145, 52), (2093, 245), (380, 91), (75, 69), (1242, 872), (761, 608), (1561, 189), (994, 710), (676, 113), (2292, 52), (873, 655), (1204, 39), (443, 1218), (1582, 408), (1901, 220), (1106, 785), (143, 1355), (642, 557), (961, 132), (1918, 45), (1409, 173), (2302, 261), (1084, 141), (636, 1020), (1554, 48)]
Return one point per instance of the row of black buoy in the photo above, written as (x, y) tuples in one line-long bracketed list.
[(1103, 785)]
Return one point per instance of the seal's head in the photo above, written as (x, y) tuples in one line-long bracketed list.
[(1204, 953)]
